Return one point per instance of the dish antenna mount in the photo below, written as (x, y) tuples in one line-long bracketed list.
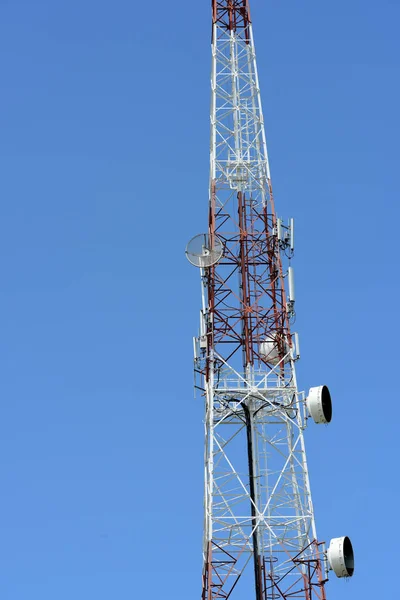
[(203, 252)]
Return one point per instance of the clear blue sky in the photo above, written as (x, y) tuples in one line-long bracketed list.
[(104, 130)]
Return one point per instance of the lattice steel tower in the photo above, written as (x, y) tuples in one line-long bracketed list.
[(259, 518)]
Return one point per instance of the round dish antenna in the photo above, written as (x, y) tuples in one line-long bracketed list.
[(270, 351), (341, 557), (201, 252), (319, 404)]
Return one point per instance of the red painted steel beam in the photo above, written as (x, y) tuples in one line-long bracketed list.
[(231, 14)]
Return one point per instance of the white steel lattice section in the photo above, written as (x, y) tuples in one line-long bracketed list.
[(240, 160)]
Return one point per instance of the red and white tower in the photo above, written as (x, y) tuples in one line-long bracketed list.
[(258, 512)]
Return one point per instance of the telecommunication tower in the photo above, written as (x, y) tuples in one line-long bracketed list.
[(258, 512)]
